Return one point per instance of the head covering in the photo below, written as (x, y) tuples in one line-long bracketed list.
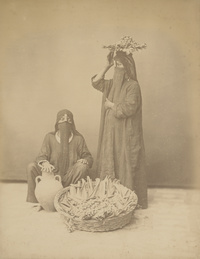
[(70, 120), (128, 63)]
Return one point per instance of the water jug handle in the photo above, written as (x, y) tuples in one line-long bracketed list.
[(38, 179), (57, 176)]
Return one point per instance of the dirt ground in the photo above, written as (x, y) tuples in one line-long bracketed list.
[(168, 229)]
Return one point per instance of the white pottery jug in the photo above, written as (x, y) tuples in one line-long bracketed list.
[(47, 186)]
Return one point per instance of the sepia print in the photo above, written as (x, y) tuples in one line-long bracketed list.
[(99, 129)]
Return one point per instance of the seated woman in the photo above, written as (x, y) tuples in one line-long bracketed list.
[(64, 152)]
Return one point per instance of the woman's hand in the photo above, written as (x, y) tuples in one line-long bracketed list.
[(83, 161), (108, 104), (109, 64), (110, 60), (47, 167)]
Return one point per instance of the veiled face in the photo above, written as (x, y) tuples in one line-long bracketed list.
[(118, 64), (64, 128)]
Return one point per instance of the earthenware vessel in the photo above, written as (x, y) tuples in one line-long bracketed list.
[(46, 189)]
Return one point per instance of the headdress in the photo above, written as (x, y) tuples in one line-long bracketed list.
[(123, 50), (126, 44)]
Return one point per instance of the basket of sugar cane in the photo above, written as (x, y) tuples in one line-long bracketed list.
[(95, 205)]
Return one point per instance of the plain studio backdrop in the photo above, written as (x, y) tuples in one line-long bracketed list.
[(50, 50)]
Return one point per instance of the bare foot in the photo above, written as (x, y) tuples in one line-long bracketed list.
[(138, 207), (37, 207)]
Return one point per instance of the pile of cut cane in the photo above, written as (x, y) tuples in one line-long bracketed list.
[(98, 199)]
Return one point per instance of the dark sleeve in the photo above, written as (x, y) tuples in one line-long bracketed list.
[(101, 84), (130, 104), (84, 152), (45, 150)]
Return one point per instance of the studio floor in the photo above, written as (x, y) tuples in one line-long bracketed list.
[(168, 229)]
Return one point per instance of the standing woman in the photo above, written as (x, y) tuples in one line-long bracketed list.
[(120, 151)]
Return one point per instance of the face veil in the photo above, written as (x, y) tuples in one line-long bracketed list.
[(118, 79), (128, 63), (66, 128)]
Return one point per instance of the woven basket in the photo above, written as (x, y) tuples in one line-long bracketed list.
[(91, 225)]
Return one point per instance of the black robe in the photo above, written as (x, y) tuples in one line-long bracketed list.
[(121, 147)]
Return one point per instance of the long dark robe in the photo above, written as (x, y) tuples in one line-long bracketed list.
[(51, 151), (120, 151)]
